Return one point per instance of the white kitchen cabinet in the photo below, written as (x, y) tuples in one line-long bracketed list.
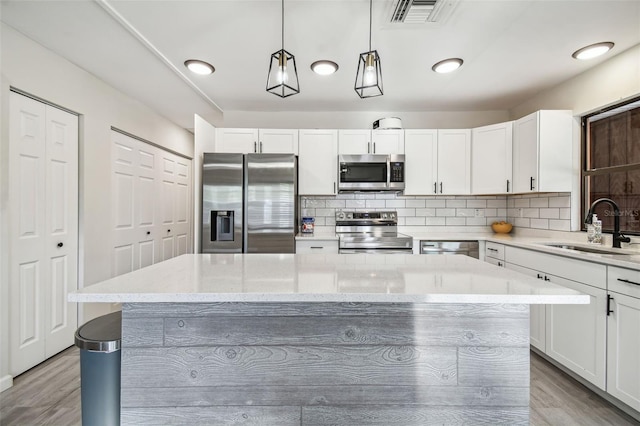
[(278, 141), (491, 159), (623, 336), (240, 141), (354, 141), (454, 162), (387, 141), (317, 246), (537, 313), (542, 152), (494, 254), (317, 162), (43, 236), (575, 335), (421, 161), (246, 141)]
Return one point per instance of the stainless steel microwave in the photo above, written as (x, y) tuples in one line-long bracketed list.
[(371, 172)]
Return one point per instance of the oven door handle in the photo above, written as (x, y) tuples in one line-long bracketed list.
[(375, 251), (388, 171)]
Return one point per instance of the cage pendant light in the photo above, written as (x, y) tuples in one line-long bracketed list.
[(282, 79), (369, 74)]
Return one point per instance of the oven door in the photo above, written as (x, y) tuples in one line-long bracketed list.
[(363, 172)]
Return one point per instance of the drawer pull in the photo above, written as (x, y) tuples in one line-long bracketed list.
[(539, 276), (492, 249), (628, 281), (316, 247)]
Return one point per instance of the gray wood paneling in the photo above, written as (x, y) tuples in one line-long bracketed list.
[(345, 330), (173, 310), (413, 416), (493, 366), (288, 365), (218, 416), (326, 395), (143, 331)]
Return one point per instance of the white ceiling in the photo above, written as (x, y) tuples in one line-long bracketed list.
[(512, 49)]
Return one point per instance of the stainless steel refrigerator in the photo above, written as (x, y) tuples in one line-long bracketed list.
[(249, 203)]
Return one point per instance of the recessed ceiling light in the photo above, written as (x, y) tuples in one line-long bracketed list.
[(199, 67), (447, 65), (593, 50), (324, 67)]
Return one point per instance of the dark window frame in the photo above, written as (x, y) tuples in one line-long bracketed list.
[(587, 172)]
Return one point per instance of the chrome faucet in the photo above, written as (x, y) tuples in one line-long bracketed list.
[(617, 235)]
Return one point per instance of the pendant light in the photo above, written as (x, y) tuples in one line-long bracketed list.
[(282, 79), (369, 74)]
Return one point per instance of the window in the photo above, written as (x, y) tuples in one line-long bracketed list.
[(612, 165)]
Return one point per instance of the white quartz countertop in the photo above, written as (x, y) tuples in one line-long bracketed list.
[(357, 278)]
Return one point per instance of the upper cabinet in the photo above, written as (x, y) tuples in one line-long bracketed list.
[(491, 159), (317, 162), (454, 162), (365, 141), (390, 141), (542, 152), (246, 141), (421, 161), (437, 162)]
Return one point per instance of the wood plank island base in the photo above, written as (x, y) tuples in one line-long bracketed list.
[(325, 340)]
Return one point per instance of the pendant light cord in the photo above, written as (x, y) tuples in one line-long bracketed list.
[(370, 19), (282, 24)]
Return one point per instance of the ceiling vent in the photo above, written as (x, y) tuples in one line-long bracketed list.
[(416, 11)]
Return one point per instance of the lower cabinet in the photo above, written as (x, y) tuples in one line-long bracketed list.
[(573, 335), (623, 336), (317, 246)]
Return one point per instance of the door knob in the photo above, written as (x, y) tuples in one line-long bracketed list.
[(148, 232), (60, 244)]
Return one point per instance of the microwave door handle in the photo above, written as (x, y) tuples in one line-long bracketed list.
[(388, 172)]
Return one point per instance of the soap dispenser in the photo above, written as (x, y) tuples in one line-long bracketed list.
[(597, 230)]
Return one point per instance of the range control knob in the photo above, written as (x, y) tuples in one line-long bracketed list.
[(392, 215), (340, 215), (384, 215)]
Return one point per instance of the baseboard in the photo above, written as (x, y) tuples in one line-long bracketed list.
[(6, 382), (602, 394)]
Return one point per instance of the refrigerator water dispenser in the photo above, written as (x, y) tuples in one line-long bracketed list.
[(222, 225)]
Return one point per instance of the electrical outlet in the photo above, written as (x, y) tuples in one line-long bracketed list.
[(520, 212), (478, 213)]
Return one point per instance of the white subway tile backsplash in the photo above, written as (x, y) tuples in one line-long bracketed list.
[(497, 204), (476, 221), (565, 214), (406, 212), (416, 203), (445, 212), (375, 204), (426, 212), (531, 213), (521, 203), (465, 212), (385, 196), (522, 222), (394, 204), (480, 204), (355, 204), (560, 225), (550, 213), (315, 202), (539, 202), (456, 203), (325, 212), (540, 223), (455, 221), (415, 221), (435, 203), (435, 221), (337, 204), (562, 201)]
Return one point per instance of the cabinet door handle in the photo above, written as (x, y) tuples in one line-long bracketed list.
[(435, 187), (500, 264), (539, 276), (374, 147), (531, 182), (441, 187), (546, 278), (260, 146), (255, 146), (628, 281), (507, 185), (609, 310), (334, 187)]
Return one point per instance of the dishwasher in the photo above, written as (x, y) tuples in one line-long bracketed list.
[(467, 248)]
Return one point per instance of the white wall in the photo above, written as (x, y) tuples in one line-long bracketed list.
[(361, 119), (204, 141), (31, 68), (608, 83)]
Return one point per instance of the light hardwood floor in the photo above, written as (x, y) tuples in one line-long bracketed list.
[(50, 395)]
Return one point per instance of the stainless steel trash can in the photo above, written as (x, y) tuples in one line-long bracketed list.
[(99, 343)]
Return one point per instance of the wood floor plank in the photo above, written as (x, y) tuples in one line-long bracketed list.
[(50, 394)]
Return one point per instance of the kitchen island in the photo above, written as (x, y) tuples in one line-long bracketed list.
[(283, 339)]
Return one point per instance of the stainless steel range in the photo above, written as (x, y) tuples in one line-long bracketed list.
[(371, 232)]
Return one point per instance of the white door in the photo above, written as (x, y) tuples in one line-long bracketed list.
[(43, 151), (525, 154), (491, 159), (354, 141), (318, 162), (421, 162), (278, 141), (151, 204), (623, 355), (238, 141), (389, 141), (454, 161)]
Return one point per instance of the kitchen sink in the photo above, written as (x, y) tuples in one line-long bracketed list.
[(586, 249)]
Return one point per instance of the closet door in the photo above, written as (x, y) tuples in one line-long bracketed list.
[(43, 189)]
